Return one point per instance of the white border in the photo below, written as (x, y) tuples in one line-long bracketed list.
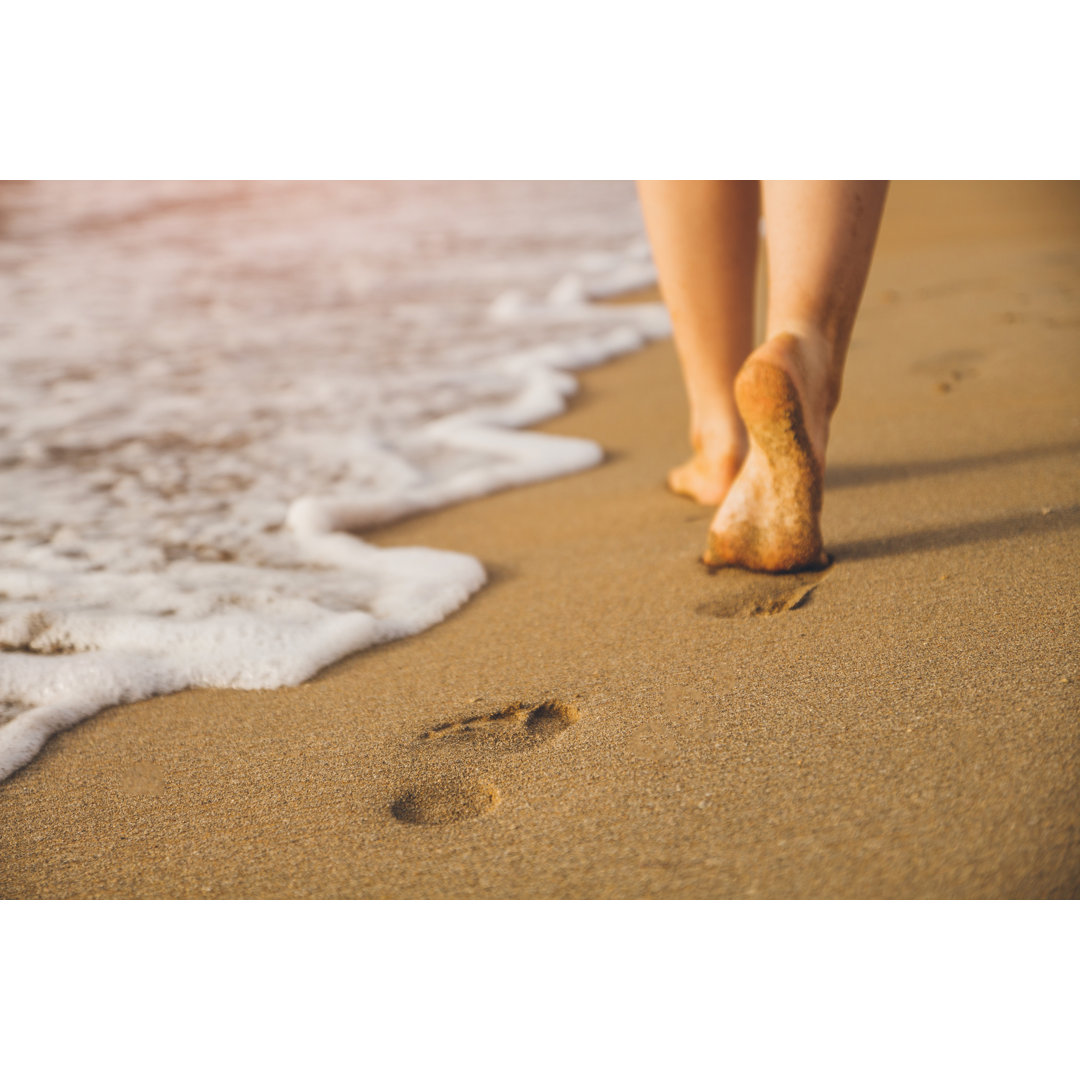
[(585, 89), (541, 989)]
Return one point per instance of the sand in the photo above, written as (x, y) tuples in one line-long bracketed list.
[(609, 720)]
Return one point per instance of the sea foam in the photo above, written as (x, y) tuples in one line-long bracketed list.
[(209, 389)]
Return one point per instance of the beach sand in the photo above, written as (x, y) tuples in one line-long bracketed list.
[(904, 724)]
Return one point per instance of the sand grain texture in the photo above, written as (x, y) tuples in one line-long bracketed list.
[(607, 719)]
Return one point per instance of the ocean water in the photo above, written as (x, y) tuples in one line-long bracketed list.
[(209, 390)]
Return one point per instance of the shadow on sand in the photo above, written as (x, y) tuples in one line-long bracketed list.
[(840, 476), (1033, 524)]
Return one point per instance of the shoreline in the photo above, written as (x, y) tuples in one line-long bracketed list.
[(82, 627), (907, 730)]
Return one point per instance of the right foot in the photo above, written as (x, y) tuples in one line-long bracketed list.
[(771, 518)]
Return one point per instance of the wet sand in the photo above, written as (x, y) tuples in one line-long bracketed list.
[(608, 719)]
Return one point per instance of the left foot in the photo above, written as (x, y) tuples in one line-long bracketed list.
[(771, 518), (707, 477)]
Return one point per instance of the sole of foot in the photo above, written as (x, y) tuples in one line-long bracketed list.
[(771, 518)]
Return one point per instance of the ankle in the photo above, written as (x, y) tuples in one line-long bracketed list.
[(719, 439), (811, 360)]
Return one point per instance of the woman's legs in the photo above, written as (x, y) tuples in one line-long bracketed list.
[(704, 237), (820, 237)]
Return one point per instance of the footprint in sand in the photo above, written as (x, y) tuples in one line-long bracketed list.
[(950, 368), (762, 594), (956, 287), (441, 801), (441, 788)]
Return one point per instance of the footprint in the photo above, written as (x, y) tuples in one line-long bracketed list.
[(761, 594), (954, 288), (441, 786), (950, 367), (441, 801), (517, 727)]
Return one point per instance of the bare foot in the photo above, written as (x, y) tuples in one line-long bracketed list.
[(771, 518), (708, 475)]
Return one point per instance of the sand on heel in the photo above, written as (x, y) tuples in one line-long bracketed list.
[(771, 520)]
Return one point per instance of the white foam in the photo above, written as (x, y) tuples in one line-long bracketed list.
[(208, 388)]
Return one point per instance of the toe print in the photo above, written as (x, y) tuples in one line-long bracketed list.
[(517, 727), (447, 781)]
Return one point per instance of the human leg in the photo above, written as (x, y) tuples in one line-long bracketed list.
[(820, 239), (704, 240)]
